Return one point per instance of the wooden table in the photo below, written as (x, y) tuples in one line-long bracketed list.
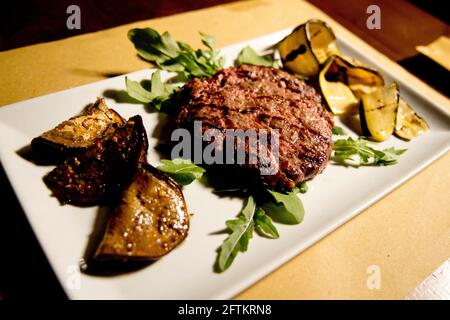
[(407, 234)]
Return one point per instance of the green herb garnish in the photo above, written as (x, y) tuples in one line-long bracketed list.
[(264, 224), (181, 170), (301, 77), (338, 131), (177, 56), (174, 56), (241, 232), (249, 56), (285, 207), (358, 153), (303, 188), (158, 94)]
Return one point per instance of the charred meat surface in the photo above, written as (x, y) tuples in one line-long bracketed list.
[(91, 177), (255, 97), (78, 133), (150, 220)]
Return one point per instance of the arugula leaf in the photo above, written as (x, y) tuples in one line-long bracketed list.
[(285, 208), (181, 170), (176, 56), (231, 190), (338, 131), (208, 40), (142, 39), (303, 188), (391, 151), (158, 94), (137, 91), (241, 233), (358, 153), (301, 77), (249, 56), (264, 224)]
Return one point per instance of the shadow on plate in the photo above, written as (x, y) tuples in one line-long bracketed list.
[(27, 154)]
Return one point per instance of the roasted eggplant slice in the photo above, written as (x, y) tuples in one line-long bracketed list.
[(150, 220), (338, 95), (379, 111), (408, 123), (308, 47), (98, 173), (77, 133)]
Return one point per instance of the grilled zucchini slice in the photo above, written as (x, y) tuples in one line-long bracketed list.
[(308, 47), (359, 78), (343, 82), (338, 95), (378, 112), (409, 124)]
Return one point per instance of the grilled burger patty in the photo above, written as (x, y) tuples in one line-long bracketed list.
[(256, 97)]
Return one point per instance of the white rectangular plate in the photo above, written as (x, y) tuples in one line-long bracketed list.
[(187, 273)]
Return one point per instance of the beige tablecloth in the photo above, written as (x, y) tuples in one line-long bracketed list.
[(406, 234)]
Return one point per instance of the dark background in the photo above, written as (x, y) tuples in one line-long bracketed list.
[(24, 270), (33, 21)]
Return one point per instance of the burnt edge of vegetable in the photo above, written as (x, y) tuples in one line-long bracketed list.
[(96, 175)]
